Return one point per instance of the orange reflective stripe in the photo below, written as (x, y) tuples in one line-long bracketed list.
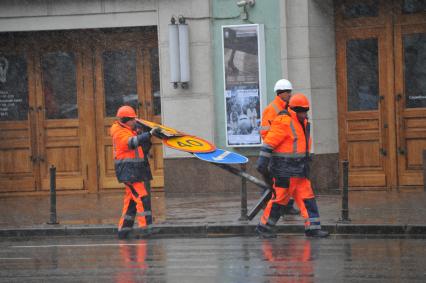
[(293, 131), (276, 108)]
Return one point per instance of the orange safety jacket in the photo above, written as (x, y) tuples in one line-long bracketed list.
[(129, 161), (271, 111), (288, 142)]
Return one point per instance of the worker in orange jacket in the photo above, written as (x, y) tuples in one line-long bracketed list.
[(283, 89), (288, 143), (130, 148)]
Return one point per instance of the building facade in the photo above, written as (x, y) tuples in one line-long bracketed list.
[(66, 66)]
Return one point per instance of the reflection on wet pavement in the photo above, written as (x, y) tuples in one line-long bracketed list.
[(230, 259)]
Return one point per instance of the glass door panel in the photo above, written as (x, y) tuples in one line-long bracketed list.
[(17, 170), (59, 118), (59, 85), (119, 80), (410, 83), (362, 74), (361, 113), (414, 49)]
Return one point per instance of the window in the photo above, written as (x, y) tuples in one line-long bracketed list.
[(59, 85), (120, 81), (415, 70), (362, 74), (358, 9), (13, 88)]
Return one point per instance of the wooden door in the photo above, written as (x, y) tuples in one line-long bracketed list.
[(410, 95), (396, 128), (60, 111), (18, 153), (126, 72), (361, 59)]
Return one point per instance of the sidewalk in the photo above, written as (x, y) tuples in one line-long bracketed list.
[(378, 212)]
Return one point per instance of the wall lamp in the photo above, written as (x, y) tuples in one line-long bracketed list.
[(244, 4), (179, 52)]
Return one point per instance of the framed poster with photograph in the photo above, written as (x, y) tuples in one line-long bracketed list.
[(244, 77)]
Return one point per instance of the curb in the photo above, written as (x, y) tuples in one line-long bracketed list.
[(206, 230)]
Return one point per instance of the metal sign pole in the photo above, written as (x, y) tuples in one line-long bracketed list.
[(267, 189)]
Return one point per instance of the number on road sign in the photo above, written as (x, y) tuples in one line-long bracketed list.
[(189, 144)]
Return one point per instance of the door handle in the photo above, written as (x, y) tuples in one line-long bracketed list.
[(401, 150), (398, 97), (383, 152)]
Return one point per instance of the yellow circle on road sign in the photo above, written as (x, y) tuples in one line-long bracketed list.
[(189, 144)]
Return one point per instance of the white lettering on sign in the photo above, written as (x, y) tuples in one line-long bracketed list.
[(222, 156), (417, 97)]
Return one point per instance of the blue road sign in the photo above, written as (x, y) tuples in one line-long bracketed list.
[(222, 156)]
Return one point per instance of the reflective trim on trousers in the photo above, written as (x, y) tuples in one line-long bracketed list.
[(145, 213), (316, 219), (128, 217), (313, 227)]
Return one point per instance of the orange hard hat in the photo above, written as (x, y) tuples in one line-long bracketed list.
[(126, 111), (299, 102)]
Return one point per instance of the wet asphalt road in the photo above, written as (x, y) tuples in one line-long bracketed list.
[(288, 258)]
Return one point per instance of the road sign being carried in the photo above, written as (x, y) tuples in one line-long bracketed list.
[(190, 144), (222, 156), (166, 131)]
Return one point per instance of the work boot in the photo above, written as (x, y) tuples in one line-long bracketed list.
[(144, 232), (265, 233), (124, 233), (317, 233)]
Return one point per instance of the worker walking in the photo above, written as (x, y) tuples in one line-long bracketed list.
[(288, 144), (282, 89), (130, 149)]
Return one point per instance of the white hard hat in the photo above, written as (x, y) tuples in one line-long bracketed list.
[(282, 84)]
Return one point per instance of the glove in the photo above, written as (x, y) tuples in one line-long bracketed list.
[(262, 164), (144, 140), (156, 132)]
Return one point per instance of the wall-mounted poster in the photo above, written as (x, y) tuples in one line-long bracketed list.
[(244, 76)]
